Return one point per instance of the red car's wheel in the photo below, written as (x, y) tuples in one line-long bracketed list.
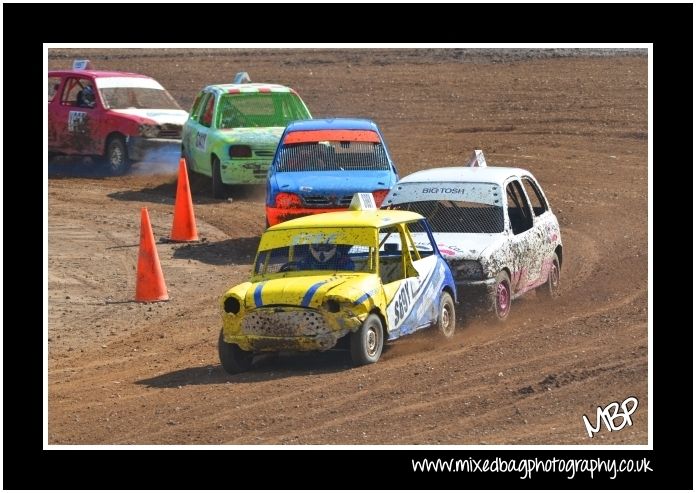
[(116, 158)]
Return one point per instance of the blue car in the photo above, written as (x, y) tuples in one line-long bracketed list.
[(320, 164)]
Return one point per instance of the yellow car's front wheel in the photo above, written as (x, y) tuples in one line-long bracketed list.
[(366, 343), (447, 320), (233, 358)]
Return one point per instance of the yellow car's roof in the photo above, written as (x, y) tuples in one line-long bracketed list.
[(349, 219)]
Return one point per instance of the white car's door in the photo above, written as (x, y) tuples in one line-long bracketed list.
[(545, 227), (525, 257)]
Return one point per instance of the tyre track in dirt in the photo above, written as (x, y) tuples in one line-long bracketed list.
[(345, 406)]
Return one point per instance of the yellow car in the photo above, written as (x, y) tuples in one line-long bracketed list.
[(355, 276)]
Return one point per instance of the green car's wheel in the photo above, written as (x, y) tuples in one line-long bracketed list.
[(218, 186), (188, 160)]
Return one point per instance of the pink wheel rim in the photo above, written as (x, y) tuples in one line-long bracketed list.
[(503, 299), (553, 275)]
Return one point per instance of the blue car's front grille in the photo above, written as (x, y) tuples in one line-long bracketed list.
[(326, 201)]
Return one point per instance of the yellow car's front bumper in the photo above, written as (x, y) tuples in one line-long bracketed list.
[(290, 328)]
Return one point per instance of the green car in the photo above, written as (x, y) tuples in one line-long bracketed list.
[(233, 130)]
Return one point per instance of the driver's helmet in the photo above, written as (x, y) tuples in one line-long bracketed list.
[(88, 95), (323, 252)]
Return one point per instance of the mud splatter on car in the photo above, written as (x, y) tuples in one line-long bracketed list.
[(500, 236), (356, 274)]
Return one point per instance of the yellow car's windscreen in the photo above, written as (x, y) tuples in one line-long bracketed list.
[(326, 249)]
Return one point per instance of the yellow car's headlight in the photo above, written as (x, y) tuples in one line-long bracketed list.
[(232, 305), (332, 306)]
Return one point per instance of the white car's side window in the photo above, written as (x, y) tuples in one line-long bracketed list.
[(535, 196), (518, 208)]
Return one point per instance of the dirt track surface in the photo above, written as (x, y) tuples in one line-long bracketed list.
[(124, 373)]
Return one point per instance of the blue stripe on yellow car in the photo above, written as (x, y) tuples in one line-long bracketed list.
[(361, 299), (310, 292), (364, 297), (257, 295)]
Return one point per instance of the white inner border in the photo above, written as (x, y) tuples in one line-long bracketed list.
[(649, 446)]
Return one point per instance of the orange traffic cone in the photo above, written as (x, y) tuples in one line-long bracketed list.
[(149, 284), (184, 225)]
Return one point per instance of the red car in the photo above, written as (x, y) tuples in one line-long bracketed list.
[(117, 117)]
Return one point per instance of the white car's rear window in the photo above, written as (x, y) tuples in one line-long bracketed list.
[(453, 207), (482, 193)]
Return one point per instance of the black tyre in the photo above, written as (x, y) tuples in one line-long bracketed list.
[(550, 289), (189, 161), (233, 358), (501, 297), (218, 186), (116, 159), (366, 343), (446, 319)]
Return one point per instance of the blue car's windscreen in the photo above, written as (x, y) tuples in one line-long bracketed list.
[(333, 156)]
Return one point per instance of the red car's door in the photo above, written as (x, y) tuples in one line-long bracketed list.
[(75, 118), (54, 92)]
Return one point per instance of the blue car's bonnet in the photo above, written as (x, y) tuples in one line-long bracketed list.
[(333, 182)]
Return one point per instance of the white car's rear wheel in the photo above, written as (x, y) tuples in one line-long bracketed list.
[(551, 289)]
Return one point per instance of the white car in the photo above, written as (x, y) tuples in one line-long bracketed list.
[(493, 225)]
